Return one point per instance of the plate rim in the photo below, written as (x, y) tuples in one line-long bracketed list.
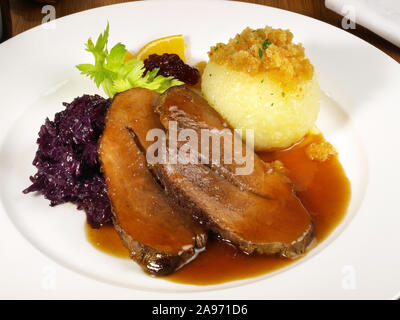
[(140, 3)]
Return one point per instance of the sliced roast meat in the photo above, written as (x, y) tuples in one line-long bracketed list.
[(254, 223), (160, 235), (190, 111)]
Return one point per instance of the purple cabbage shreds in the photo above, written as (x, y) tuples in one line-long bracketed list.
[(67, 159)]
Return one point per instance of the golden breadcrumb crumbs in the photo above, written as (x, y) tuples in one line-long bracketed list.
[(321, 151), (265, 50)]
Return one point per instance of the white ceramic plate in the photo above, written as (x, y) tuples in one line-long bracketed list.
[(43, 250)]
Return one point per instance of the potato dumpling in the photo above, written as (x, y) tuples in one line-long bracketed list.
[(260, 80)]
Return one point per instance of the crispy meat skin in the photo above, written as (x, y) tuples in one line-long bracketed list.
[(161, 237)]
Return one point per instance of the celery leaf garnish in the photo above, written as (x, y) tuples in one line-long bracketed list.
[(114, 75)]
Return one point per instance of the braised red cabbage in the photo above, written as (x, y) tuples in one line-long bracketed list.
[(68, 168)]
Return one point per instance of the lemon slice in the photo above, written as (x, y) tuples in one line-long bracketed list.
[(171, 44)]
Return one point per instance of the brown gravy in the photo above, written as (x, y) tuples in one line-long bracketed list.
[(324, 190), (107, 240)]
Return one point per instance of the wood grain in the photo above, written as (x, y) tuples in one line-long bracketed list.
[(26, 14), (5, 19)]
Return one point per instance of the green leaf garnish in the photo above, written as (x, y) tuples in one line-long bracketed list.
[(266, 44), (114, 75), (260, 53)]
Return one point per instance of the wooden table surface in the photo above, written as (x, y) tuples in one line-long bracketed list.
[(26, 14)]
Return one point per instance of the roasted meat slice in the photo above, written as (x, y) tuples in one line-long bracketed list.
[(188, 110), (256, 224), (261, 212), (253, 223), (160, 235)]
